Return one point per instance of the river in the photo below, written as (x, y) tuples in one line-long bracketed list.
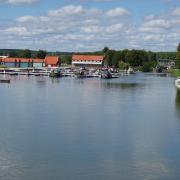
[(90, 129)]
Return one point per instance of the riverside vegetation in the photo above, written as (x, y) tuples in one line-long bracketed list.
[(141, 60)]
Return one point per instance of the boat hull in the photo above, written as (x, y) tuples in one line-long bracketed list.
[(177, 84)]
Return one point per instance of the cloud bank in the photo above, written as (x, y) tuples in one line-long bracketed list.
[(76, 28)]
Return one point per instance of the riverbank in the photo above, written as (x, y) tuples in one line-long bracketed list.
[(175, 72)]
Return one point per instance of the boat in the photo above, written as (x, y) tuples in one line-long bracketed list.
[(130, 71), (177, 83), (105, 74), (55, 73), (80, 73)]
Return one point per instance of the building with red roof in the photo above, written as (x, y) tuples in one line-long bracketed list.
[(49, 61), (52, 61), (87, 60), (22, 62)]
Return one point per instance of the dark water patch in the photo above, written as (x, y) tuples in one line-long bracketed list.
[(123, 85)]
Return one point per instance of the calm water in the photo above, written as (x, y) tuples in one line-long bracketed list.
[(90, 129)]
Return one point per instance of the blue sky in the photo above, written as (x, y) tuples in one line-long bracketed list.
[(88, 25)]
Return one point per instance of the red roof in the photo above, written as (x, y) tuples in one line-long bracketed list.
[(51, 60), (23, 60), (87, 58)]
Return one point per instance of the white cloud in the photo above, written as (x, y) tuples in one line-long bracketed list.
[(115, 28), (17, 31), (76, 28), (92, 29), (117, 12), (67, 10), (20, 1), (25, 18), (176, 12), (154, 25)]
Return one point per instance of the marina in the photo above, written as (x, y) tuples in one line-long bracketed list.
[(63, 72)]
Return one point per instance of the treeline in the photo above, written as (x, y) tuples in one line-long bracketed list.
[(134, 57), (119, 59), (23, 53)]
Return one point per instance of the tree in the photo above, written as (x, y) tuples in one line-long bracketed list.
[(109, 57), (105, 50), (13, 54), (41, 54), (178, 60), (178, 57), (123, 66), (26, 53), (116, 59), (147, 67), (178, 48), (66, 59)]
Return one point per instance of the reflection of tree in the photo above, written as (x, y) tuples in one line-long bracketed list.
[(55, 80), (178, 103)]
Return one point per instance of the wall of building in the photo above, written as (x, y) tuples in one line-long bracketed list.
[(38, 65), (24, 65), (9, 64)]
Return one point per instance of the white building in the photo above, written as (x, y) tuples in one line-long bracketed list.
[(87, 60), (3, 57)]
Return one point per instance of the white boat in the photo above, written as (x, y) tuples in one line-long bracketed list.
[(130, 71), (177, 83)]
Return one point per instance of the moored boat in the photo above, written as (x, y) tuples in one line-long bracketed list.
[(55, 73), (105, 74), (130, 71), (177, 83)]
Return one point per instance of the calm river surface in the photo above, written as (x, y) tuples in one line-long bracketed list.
[(89, 129)]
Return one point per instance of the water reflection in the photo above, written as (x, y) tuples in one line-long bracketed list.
[(123, 85), (178, 103), (41, 81), (55, 80), (89, 129)]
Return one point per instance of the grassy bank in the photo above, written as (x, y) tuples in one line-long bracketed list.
[(175, 72)]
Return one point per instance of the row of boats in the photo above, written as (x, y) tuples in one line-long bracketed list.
[(103, 73)]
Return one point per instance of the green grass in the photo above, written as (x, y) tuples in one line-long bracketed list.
[(175, 72), (2, 67)]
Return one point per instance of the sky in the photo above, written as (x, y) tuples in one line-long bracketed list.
[(90, 25)]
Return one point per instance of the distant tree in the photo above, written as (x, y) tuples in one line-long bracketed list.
[(178, 48), (178, 60), (66, 59), (109, 57), (26, 53), (41, 54), (123, 66), (116, 59), (13, 54), (178, 57), (147, 67), (105, 50)]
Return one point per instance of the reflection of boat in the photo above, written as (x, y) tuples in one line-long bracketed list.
[(105, 74), (178, 98), (4, 80), (177, 101), (55, 73), (177, 83)]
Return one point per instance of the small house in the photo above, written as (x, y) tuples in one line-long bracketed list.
[(52, 61)]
